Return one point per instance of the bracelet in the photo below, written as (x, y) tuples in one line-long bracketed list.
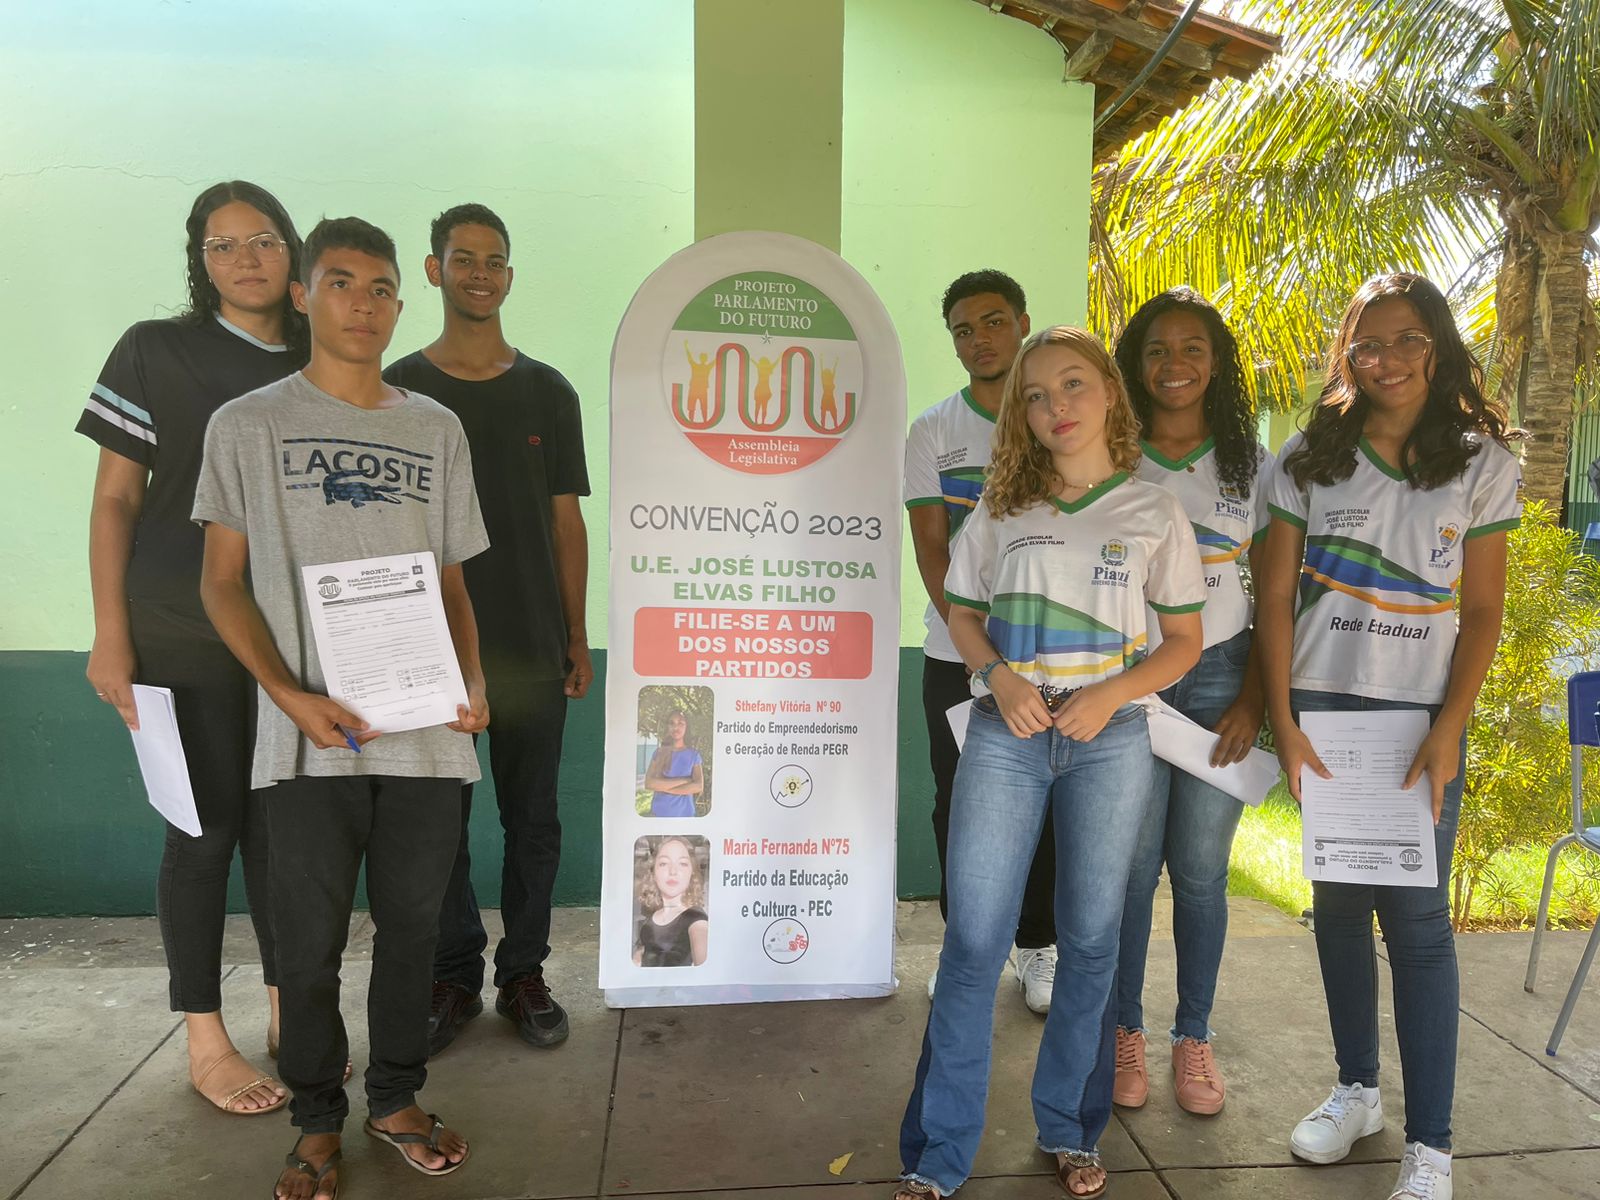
[(982, 673)]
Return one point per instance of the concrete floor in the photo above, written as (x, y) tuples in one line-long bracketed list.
[(791, 1102)]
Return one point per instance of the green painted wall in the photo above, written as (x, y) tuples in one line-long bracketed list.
[(577, 123), (768, 104)]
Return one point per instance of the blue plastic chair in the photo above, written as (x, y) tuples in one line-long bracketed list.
[(1583, 729)]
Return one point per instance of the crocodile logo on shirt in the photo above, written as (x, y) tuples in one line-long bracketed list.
[(348, 485)]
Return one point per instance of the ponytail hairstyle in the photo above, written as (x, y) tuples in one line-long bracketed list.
[(1437, 450), (1021, 471), (1230, 416), (204, 300)]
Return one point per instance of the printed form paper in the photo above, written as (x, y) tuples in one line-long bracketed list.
[(383, 641), (161, 758), (1361, 826)]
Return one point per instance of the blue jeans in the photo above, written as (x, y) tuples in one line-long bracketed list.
[(1189, 825), (1096, 792), (1422, 961)]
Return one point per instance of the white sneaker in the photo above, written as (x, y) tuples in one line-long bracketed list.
[(1036, 972), (1350, 1112), (932, 980), (1424, 1174)]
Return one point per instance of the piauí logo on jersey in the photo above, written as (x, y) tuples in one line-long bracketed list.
[(763, 373), (1449, 535), (1114, 553)]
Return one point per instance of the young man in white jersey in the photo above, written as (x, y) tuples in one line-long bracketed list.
[(947, 452)]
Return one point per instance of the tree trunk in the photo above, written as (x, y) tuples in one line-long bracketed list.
[(1557, 331), (1513, 306)]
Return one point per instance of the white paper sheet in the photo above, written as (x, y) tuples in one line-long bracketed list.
[(383, 640), (957, 717), (1360, 826), (1187, 745), (161, 758)]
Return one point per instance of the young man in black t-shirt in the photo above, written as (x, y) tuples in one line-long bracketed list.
[(526, 436)]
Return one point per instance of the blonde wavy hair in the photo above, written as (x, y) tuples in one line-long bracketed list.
[(1021, 472), (694, 896)]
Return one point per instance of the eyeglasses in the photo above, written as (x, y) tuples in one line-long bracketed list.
[(223, 251), (1408, 347)]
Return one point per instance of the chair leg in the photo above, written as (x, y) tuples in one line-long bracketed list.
[(1577, 986), (1544, 908)]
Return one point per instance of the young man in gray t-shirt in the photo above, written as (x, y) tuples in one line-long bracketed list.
[(327, 465)]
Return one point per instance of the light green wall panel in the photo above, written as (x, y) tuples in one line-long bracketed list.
[(963, 148), (576, 125), (767, 116)]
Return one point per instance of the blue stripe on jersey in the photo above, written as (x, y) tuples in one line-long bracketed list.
[(127, 406)]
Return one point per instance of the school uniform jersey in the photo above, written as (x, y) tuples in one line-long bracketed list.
[(1226, 524), (159, 387), (1376, 614), (1066, 586), (947, 452)]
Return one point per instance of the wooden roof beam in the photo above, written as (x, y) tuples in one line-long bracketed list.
[(1135, 33), (1091, 52)]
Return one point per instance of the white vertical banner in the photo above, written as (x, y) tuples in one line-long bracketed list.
[(758, 422)]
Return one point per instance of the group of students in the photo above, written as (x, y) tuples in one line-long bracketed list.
[(1091, 529), (256, 434), (1084, 524)]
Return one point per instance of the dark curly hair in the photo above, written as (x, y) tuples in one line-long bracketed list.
[(204, 299), (978, 283), (1436, 450), (1230, 416), (347, 233)]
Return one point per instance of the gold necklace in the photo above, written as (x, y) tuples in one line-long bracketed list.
[(1087, 486)]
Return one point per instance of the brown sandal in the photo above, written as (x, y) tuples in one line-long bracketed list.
[(912, 1189), (1075, 1160), (226, 1104)]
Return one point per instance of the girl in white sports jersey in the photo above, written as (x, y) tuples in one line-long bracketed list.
[(1049, 584), (1389, 518), (1198, 431)]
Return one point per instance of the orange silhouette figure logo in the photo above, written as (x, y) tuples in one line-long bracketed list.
[(699, 382), (830, 406), (764, 369)]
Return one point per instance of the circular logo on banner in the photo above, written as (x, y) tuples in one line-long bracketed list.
[(785, 940), (763, 373), (328, 587), (791, 785)]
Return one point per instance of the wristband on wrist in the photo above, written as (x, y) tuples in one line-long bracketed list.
[(982, 673)]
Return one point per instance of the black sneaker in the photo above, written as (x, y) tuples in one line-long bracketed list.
[(453, 1006), (527, 1001)]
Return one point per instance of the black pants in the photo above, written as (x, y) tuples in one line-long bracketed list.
[(406, 830), (945, 685), (215, 701), (526, 720)]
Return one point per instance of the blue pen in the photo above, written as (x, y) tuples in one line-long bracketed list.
[(350, 739)]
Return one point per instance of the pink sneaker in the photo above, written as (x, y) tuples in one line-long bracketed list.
[(1195, 1078), (1132, 1086)]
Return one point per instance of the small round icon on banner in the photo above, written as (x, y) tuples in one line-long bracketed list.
[(785, 940), (1410, 859), (762, 373), (328, 587), (791, 785)]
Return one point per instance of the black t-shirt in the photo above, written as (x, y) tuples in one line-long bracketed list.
[(526, 436), (151, 404)]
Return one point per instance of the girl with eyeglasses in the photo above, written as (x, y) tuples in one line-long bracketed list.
[(148, 412), (1382, 587), (1050, 582)]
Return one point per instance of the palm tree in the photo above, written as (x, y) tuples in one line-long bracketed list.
[(1457, 136)]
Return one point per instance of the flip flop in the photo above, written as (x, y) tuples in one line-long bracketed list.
[(227, 1102), (401, 1140), (349, 1066), (294, 1162)]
